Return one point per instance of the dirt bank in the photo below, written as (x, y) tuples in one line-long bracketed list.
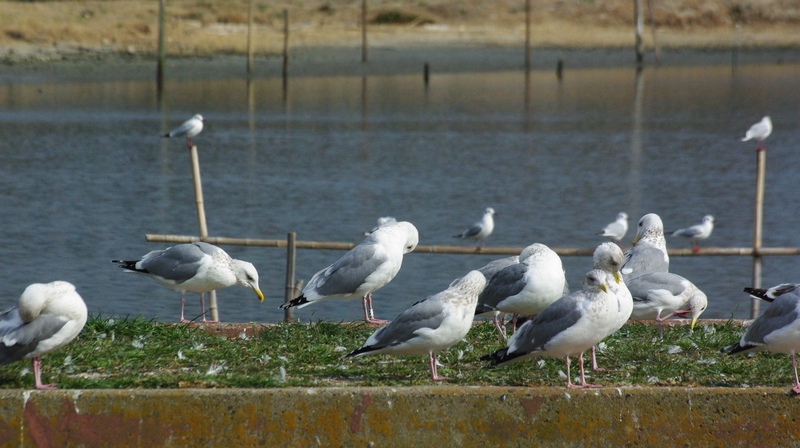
[(75, 29)]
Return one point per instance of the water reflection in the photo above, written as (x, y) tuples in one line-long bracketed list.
[(85, 175)]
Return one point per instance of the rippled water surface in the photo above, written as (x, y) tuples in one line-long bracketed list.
[(85, 176)]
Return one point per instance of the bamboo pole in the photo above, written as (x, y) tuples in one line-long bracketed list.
[(363, 30), (201, 220), (639, 26), (285, 70), (161, 57), (761, 161), (467, 250), (527, 34), (250, 36), (290, 268)]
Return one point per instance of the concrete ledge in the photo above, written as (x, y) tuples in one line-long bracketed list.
[(384, 416)]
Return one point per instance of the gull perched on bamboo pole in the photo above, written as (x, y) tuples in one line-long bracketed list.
[(481, 229), (759, 132), (188, 129)]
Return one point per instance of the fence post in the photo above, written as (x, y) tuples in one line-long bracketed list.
[(201, 220), (290, 265), (761, 161)]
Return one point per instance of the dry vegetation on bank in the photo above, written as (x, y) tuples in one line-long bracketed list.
[(203, 27)]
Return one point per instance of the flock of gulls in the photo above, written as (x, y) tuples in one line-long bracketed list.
[(530, 288)]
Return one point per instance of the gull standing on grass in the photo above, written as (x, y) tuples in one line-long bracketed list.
[(524, 288), (664, 292), (697, 232), (188, 129), (616, 229), (481, 229), (430, 325), (363, 270), (776, 330), (569, 326), (648, 252), (608, 257), (195, 267), (48, 316), (759, 132)]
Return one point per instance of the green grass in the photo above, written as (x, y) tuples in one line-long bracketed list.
[(136, 353)]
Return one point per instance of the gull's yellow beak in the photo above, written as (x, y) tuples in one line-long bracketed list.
[(604, 287), (259, 294), (636, 239), (694, 321), (617, 277)]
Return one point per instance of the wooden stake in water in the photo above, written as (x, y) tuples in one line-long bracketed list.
[(160, 69), (761, 162), (527, 34), (363, 30), (201, 220), (639, 24), (250, 37), (290, 267)]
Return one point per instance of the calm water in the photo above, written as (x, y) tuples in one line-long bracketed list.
[(85, 176)]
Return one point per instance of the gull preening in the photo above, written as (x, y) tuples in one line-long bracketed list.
[(524, 288), (194, 267), (776, 330), (616, 229), (569, 326), (481, 229), (662, 295), (430, 325), (648, 252), (382, 221), (363, 270), (48, 316), (608, 257), (759, 132), (697, 232), (188, 129)]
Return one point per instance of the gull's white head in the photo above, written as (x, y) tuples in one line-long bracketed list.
[(609, 257), (247, 276), (649, 225)]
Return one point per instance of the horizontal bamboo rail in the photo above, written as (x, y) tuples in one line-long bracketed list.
[(580, 252)]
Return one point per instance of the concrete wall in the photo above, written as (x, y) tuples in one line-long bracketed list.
[(415, 416)]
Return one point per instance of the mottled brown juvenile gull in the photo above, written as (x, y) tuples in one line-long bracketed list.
[(481, 229), (776, 330), (431, 325), (616, 229), (188, 129), (697, 232), (48, 316), (524, 288), (759, 132), (662, 295), (569, 326), (195, 267), (648, 253), (363, 270)]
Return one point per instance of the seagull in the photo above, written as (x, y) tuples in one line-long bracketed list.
[(697, 232), (382, 221), (189, 129), (617, 229), (759, 132), (569, 326), (48, 317), (776, 330), (481, 229), (524, 288), (770, 294), (608, 257), (430, 325), (363, 270), (648, 252), (664, 292), (195, 267)]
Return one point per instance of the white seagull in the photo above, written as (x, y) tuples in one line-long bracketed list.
[(648, 252), (188, 129), (697, 232), (569, 326), (481, 229), (49, 316), (524, 288), (616, 229), (195, 267), (431, 325), (776, 330), (363, 270), (382, 221), (759, 132), (662, 295), (608, 257)]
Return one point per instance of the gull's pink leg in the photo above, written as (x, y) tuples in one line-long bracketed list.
[(434, 374), (183, 301), (583, 379), (500, 329), (203, 310), (37, 375), (594, 361), (796, 388), (569, 382), (189, 142), (369, 313), (695, 246)]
